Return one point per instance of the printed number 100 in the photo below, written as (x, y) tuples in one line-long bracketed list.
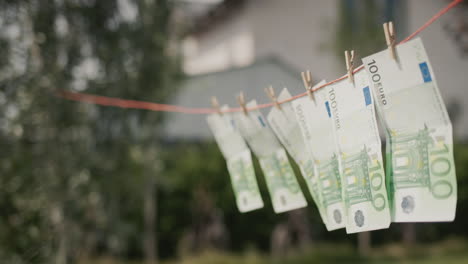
[(440, 167)]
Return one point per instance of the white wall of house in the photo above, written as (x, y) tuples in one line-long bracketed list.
[(295, 31), (229, 45), (298, 31)]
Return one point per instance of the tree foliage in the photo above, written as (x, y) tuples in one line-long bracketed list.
[(71, 174)]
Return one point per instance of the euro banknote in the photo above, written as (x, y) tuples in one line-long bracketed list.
[(282, 184), (239, 162), (351, 107), (286, 127), (420, 167), (317, 128)]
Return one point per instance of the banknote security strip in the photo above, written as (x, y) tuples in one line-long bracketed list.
[(335, 141)]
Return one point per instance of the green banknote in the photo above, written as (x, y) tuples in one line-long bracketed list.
[(361, 166), (420, 169), (317, 129), (286, 127), (282, 184), (239, 162)]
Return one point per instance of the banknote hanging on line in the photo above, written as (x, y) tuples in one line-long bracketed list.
[(317, 129), (420, 167), (282, 184), (350, 107), (286, 127), (239, 162)]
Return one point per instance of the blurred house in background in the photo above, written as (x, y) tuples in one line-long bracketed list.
[(235, 45)]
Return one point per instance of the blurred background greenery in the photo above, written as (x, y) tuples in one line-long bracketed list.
[(81, 183)]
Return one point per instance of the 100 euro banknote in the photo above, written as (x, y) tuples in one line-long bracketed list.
[(351, 107), (420, 166), (282, 184), (317, 128), (239, 162), (286, 127)]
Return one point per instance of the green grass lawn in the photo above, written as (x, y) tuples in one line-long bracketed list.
[(447, 252)]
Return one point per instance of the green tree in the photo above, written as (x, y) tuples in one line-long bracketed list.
[(73, 173)]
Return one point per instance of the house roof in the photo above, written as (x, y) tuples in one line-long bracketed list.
[(225, 85)]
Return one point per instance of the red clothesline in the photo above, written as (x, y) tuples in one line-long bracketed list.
[(123, 103)]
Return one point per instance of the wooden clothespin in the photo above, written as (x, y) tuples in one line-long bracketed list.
[(241, 100), (350, 64), (390, 38), (307, 79), (215, 104), (271, 93)]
